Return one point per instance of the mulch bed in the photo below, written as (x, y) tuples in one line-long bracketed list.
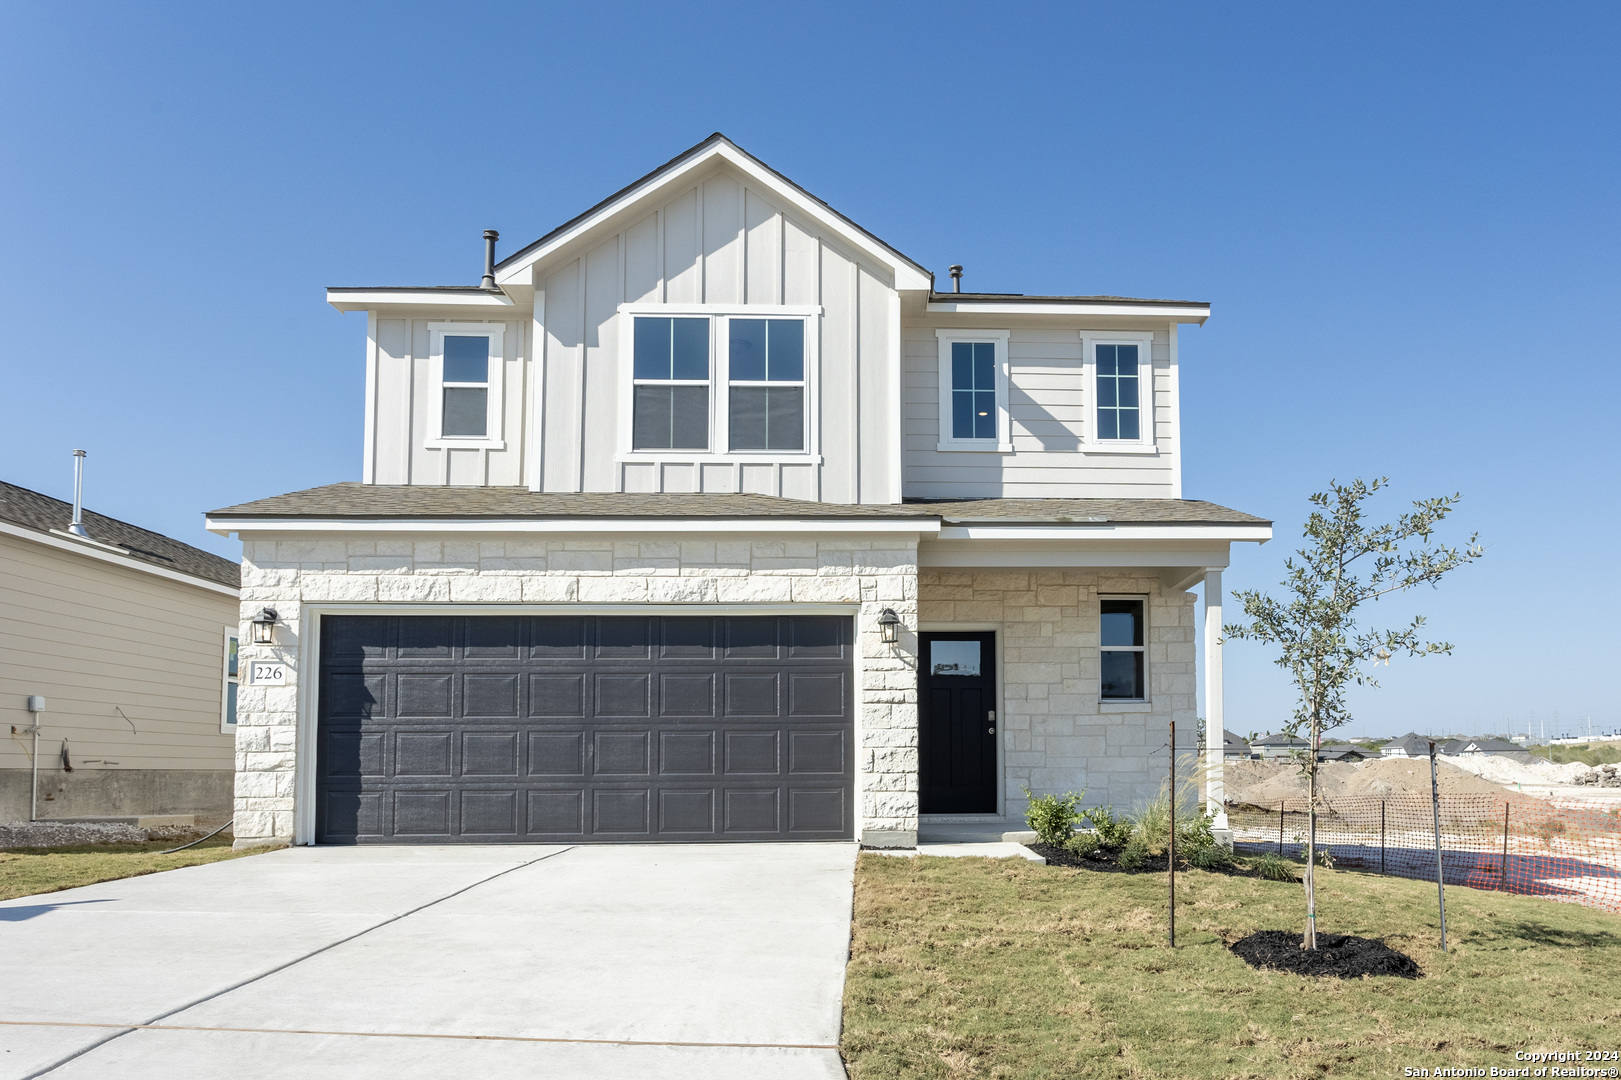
[(1104, 860), (1339, 955)]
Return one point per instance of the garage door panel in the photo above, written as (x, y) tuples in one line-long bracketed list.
[(501, 729), (756, 752), (557, 753), (424, 695), (620, 753), (687, 695), (621, 696), (492, 696), (422, 753), (489, 753), (686, 753), (557, 695), (422, 813)]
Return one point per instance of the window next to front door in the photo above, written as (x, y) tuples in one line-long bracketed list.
[(1123, 654)]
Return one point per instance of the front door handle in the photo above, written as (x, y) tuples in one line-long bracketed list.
[(991, 716)]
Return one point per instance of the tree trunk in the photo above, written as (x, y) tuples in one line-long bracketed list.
[(1311, 836)]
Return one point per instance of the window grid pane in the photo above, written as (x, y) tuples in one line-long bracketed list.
[(465, 412), (1119, 413), (1122, 652), (973, 390), (466, 359), (767, 418)]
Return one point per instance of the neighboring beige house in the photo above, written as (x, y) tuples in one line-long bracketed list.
[(125, 640), (706, 516)]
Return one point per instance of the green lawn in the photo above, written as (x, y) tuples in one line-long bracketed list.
[(1005, 968), (26, 871)]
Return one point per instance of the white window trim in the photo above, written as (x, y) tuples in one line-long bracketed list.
[(1003, 443), (232, 633), (720, 383), (495, 398), (1117, 704), (1090, 443)]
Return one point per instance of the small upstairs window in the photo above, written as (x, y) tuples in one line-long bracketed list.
[(974, 390), (670, 410), (1119, 400), (466, 401), (1120, 385), (465, 360), (765, 369)]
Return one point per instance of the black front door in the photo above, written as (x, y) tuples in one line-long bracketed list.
[(957, 723)]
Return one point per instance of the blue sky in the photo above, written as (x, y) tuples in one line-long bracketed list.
[(1406, 217)]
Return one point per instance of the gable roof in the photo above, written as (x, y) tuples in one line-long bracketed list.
[(1414, 744), (1282, 738), (909, 273), (42, 514)]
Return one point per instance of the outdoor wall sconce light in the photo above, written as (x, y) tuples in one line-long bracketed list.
[(889, 625), (264, 627)]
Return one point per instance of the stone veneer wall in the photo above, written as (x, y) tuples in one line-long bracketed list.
[(1056, 737), (288, 573)]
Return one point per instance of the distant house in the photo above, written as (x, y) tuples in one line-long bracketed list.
[(118, 676), (1476, 747), (1234, 748), (1352, 754), (1279, 746), (1410, 745)]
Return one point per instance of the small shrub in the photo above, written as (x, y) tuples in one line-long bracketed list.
[(1549, 829), (1082, 844), (1194, 832), (1053, 817), (1113, 830), (1153, 825), (1213, 857), (1134, 854), (1273, 867)]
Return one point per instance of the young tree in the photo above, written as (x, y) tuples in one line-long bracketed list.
[(1315, 628)]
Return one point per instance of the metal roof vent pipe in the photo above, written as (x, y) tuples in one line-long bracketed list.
[(956, 278), (490, 237), (77, 526)]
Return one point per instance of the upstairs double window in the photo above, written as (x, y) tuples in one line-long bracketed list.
[(729, 384)]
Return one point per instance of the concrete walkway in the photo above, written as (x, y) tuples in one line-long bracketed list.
[(671, 961)]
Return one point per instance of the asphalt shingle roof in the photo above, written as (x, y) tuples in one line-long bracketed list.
[(366, 501), (32, 510)]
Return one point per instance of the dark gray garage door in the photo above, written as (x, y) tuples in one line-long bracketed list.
[(545, 729)]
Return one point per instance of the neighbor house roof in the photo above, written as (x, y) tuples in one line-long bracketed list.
[(356, 501), (1479, 746), (1233, 741), (1413, 744), (27, 509)]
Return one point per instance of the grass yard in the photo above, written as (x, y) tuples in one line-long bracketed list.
[(1006, 968), (26, 871)]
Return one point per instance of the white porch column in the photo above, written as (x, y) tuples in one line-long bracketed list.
[(1215, 747)]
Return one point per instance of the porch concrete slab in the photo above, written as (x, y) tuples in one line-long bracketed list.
[(493, 961), (958, 851), (1002, 831), (209, 1055)]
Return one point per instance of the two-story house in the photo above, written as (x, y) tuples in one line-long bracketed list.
[(707, 517)]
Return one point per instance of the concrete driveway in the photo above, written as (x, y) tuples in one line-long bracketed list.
[(669, 961)]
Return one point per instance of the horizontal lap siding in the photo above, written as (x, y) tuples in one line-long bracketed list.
[(90, 637), (1048, 406)]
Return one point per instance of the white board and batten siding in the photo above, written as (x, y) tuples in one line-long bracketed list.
[(1050, 416), (723, 244), (402, 391)]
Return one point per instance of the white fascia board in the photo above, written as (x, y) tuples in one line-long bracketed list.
[(1259, 534), (907, 276), (108, 554), (367, 299), (899, 527), (1162, 555), (1178, 312)]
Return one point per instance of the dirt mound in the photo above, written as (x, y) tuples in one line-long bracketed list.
[(1266, 783), (1507, 771), (1339, 955)]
